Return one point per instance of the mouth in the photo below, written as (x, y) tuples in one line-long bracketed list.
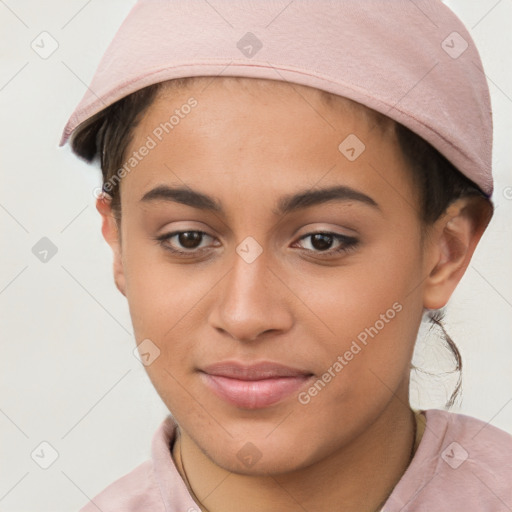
[(253, 386)]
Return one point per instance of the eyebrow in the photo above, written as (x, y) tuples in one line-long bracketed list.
[(286, 204)]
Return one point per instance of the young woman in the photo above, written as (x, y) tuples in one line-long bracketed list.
[(288, 189)]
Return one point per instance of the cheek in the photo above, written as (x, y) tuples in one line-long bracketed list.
[(165, 306), (159, 292), (162, 299), (369, 313), (351, 297)]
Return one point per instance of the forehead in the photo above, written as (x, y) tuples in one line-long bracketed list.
[(273, 88), (267, 105), (265, 134)]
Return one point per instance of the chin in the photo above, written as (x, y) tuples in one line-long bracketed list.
[(261, 457)]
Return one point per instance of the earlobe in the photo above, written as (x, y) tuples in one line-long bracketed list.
[(110, 231), (451, 248), (119, 277)]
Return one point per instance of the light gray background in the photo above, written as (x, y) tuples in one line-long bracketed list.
[(68, 374)]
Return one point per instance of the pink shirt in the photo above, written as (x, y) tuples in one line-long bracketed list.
[(461, 465)]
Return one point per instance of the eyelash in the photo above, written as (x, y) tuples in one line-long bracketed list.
[(348, 243)]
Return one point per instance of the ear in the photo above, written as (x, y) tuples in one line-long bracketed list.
[(112, 236), (451, 244)]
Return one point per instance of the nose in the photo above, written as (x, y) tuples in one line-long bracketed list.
[(252, 300)]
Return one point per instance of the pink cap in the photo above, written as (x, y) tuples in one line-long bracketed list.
[(415, 62)]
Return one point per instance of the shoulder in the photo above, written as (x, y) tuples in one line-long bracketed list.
[(466, 438), (462, 463), (136, 490)]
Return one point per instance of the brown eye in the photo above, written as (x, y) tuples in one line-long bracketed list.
[(186, 243), (321, 242), (189, 239)]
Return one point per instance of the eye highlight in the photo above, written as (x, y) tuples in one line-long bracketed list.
[(321, 238)]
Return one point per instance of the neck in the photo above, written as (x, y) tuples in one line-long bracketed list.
[(360, 475)]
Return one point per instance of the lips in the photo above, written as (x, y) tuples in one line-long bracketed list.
[(253, 386)]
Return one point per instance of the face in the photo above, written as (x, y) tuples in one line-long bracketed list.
[(331, 287)]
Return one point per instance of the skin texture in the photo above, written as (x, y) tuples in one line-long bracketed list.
[(247, 143)]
